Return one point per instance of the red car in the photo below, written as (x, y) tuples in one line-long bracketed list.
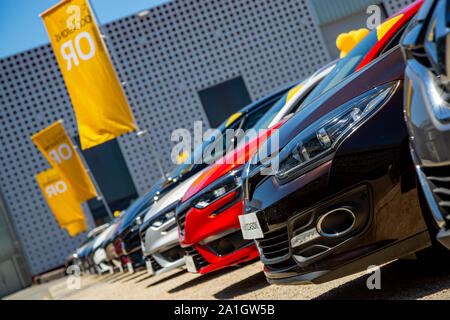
[(207, 216), (208, 213)]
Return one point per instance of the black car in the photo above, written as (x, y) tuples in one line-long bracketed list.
[(342, 196), (427, 109)]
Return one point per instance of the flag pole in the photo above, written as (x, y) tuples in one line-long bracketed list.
[(91, 176), (129, 97)]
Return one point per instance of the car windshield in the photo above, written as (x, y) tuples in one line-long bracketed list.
[(198, 152), (265, 121), (345, 67)]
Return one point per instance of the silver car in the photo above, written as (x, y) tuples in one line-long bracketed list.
[(159, 232)]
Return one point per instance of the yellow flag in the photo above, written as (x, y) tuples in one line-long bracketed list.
[(62, 200), (76, 227), (99, 102), (58, 149)]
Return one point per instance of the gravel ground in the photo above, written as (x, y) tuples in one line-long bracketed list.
[(405, 279)]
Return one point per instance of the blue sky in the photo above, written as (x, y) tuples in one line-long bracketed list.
[(21, 28)]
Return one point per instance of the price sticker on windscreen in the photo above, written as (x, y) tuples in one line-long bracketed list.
[(251, 229)]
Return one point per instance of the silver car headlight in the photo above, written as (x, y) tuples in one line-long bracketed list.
[(158, 222), (322, 137)]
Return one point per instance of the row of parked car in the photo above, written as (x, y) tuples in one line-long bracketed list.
[(362, 174)]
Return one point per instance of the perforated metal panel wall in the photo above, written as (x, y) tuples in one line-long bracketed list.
[(180, 48), (392, 6), (185, 46)]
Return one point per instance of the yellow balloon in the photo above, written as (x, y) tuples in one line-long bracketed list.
[(361, 34), (342, 40), (345, 42)]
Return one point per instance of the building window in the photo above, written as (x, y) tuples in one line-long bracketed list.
[(224, 99)]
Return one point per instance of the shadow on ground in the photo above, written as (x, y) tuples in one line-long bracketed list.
[(250, 284), (200, 279), (403, 279), (136, 275), (179, 273), (209, 276), (123, 277), (143, 279)]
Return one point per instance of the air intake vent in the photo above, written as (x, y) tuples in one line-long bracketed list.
[(439, 183), (275, 244)]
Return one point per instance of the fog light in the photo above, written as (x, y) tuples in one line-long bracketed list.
[(304, 237)]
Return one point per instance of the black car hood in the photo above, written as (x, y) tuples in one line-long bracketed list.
[(388, 68)]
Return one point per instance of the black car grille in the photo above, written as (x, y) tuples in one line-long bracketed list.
[(275, 244), (439, 182), (181, 219), (131, 240), (155, 265), (199, 261), (228, 244)]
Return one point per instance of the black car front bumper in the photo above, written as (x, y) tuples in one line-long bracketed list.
[(372, 175)]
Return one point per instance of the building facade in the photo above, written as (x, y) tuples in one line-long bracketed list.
[(169, 57)]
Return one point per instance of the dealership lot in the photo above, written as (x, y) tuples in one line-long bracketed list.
[(405, 279), (330, 187)]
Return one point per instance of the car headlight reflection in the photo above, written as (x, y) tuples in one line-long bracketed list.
[(231, 181), (322, 137), (163, 219), (212, 196)]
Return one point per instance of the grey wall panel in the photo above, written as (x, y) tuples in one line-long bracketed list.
[(180, 48), (167, 58), (392, 6), (328, 11)]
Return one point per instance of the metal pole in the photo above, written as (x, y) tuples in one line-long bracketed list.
[(91, 176), (94, 182), (129, 96)]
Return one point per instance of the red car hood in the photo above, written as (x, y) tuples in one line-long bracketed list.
[(230, 161)]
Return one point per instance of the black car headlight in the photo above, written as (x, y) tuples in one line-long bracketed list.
[(220, 188), (322, 137)]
